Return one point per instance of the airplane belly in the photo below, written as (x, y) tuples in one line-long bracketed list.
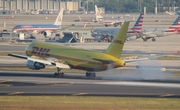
[(88, 66)]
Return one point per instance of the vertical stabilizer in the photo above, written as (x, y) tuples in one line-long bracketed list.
[(58, 21), (98, 15), (138, 25), (175, 26), (116, 46)]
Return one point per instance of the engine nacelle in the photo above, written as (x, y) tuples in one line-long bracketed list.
[(35, 32), (132, 38), (34, 65), (98, 38), (47, 33)]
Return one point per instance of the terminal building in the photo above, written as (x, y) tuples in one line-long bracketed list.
[(26, 5)]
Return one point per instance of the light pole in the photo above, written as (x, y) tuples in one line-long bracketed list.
[(155, 6), (139, 5), (87, 6)]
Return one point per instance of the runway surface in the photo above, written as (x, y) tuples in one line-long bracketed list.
[(38, 83)]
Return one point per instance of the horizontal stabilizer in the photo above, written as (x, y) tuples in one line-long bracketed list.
[(103, 61)]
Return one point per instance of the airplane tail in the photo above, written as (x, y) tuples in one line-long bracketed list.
[(138, 25), (98, 15), (58, 21), (175, 26), (116, 46)]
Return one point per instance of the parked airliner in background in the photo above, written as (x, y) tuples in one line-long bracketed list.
[(101, 34), (39, 28), (108, 21), (41, 54), (173, 29)]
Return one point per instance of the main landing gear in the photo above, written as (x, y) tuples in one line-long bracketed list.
[(61, 74), (153, 39), (58, 74), (90, 74)]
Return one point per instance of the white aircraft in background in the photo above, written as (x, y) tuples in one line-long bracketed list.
[(101, 34), (173, 29), (108, 21), (47, 29)]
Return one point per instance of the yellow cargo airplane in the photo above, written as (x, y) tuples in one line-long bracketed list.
[(40, 54)]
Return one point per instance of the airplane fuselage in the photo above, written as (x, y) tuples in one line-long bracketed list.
[(111, 21), (38, 27), (76, 58), (159, 33), (112, 32)]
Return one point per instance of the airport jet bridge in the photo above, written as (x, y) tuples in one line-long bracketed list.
[(74, 37)]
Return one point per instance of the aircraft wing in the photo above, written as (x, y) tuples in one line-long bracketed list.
[(18, 56), (146, 58), (148, 34), (46, 61)]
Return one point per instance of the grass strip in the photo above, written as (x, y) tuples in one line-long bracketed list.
[(86, 103)]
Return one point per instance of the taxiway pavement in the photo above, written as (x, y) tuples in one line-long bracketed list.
[(162, 44)]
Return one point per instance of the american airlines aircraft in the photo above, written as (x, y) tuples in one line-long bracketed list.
[(173, 29), (108, 21), (46, 28), (100, 34), (108, 33)]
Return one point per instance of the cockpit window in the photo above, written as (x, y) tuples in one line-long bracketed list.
[(17, 27)]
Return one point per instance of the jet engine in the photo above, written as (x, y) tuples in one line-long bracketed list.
[(132, 38), (98, 38), (35, 32), (46, 33), (35, 65)]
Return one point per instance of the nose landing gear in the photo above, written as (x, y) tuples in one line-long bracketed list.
[(58, 73)]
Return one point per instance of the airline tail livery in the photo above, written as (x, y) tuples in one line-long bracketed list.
[(138, 25), (40, 27), (58, 21), (41, 54), (175, 26), (98, 15)]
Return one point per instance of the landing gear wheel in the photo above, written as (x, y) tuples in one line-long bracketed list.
[(59, 74), (56, 74), (87, 74), (153, 39), (93, 75), (145, 40), (90, 74)]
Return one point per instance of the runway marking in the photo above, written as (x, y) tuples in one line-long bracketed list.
[(3, 81), (166, 95), (5, 85), (54, 83), (15, 93), (82, 93)]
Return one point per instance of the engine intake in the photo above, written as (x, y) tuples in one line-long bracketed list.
[(35, 65)]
